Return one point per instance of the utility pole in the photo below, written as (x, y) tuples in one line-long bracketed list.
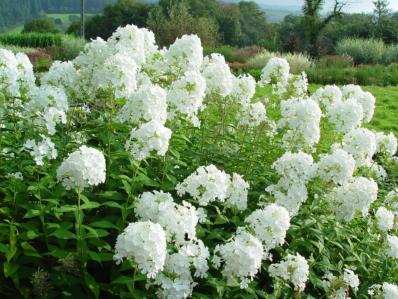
[(82, 2)]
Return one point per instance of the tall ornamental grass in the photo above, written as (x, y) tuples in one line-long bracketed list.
[(368, 51)]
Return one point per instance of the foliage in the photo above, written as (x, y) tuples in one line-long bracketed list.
[(34, 40), (17, 49), (368, 51), (69, 49), (379, 75), (177, 22), (41, 61), (43, 25), (298, 62), (337, 61)]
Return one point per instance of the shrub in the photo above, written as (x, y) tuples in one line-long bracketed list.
[(41, 60), (339, 61), (242, 55), (363, 51), (391, 54), (69, 48), (298, 61), (225, 50), (43, 25)]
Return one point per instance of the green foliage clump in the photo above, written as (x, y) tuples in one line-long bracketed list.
[(42, 25), (70, 47), (298, 61), (379, 75), (34, 40), (363, 51)]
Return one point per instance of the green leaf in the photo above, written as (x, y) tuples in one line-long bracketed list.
[(9, 269), (92, 285), (29, 250), (90, 205), (32, 213), (63, 234), (103, 224)]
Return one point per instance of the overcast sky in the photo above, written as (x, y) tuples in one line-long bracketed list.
[(352, 6)]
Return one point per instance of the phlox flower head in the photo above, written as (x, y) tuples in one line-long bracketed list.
[(145, 243), (83, 168)]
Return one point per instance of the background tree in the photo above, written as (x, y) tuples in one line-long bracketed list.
[(229, 22), (253, 23), (42, 25), (120, 14), (384, 25), (177, 21), (315, 24)]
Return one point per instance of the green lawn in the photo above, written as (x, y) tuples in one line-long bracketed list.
[(386, 115), (16, 29)]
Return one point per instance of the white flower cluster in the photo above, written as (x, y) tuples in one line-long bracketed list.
[(337, 287), (300, 118), (114, 64), (276, 70), (186, 95), (208, 184), (178, 221), (336, 168), (39, 151), (47, 107), (176, 280), (270, 225), (328, 95), (356, 195), (252, 115), (84, 167), (361, 144), (295, 87), (219, 79), (150, 137), (351, 279), (145, 242), (365, 99), (15, 175), (384, 219), (244, 88), (295, 170), (241, 258), (16, 73), (185, 54), (385, 291), (145, 104), (117, 73), (293, 269), (393, 247), (61, 75), (345, 115), (386, 144), (237, 192)]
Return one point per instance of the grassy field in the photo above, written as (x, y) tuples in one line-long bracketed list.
[(386, 115), (63, 17), (16, 29)]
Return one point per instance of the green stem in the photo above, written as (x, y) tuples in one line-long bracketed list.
[(79, 231)]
